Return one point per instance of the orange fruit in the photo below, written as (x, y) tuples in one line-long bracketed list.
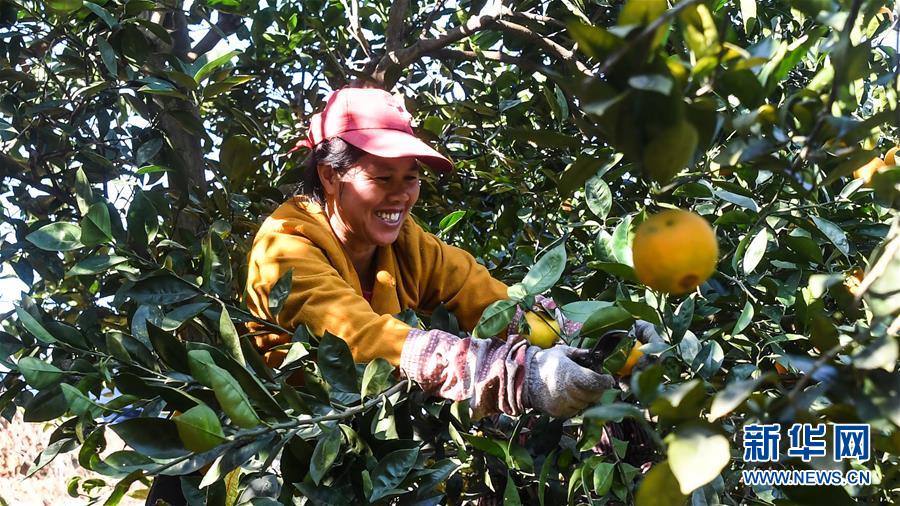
[(767, 114), (633, 356), (544, 330), (891, 157), (853, 280), (869, 169), (780, 369), (674, 251)]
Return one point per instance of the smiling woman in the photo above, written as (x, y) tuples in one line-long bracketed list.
[(354, 258)]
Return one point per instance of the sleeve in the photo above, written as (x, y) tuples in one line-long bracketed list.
[(319, 297), (451, 275)]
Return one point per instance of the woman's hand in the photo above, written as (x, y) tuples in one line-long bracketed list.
[(555, 384)]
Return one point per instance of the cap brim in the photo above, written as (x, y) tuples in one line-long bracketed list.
[(388, 143)]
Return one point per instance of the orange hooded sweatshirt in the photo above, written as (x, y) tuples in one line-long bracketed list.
[(418, 271)]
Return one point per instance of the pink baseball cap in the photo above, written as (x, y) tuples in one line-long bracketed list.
[(374, 121)]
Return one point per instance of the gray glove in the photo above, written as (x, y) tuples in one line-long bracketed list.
[(556, 385)]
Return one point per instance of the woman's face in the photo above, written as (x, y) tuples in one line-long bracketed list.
[(370, 202)]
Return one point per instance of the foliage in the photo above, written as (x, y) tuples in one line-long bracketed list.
[(137, 165)]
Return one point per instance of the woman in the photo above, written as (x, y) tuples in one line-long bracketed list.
[(358, 258)]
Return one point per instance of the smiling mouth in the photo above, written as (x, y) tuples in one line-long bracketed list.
[(391, 218)]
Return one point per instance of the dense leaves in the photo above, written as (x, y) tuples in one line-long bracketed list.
[(138, 161)]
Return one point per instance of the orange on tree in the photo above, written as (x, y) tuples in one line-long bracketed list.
[(544, 329), (854, 280), (869, 169), (890, 158), (674, 251), (633, 356)]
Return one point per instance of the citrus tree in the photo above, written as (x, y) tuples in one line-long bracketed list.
[(143, 142)]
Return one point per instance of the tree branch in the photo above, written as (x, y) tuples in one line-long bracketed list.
[(498, 56), (227, 25), (539, 18), (393, 35), (548, 45)]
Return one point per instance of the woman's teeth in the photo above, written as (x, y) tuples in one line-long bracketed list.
[(389, 217)]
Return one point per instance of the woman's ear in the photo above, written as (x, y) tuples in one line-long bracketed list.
[(328, 178)]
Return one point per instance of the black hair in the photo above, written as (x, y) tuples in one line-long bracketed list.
[(335, 152)]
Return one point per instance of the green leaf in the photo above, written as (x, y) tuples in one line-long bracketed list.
[(670, 151), (213, 65), (47, 405), (576, 174), (148, 149), (546, 271), (231, 341), (652, 82), (744, 319), (161, 290), (232, 398), (102, 14), (169, 348), (199, 429), (882, 296), (738, 200), (834, 234), (495, 318), (33, 326), (325, 454), (142, 219), (84, 196), (376, 378), (660, 488), (236, 160), (280, 291), (697, 456), (390, 472), (96, 228), (756, 250), (640, 311), (175, 318), (56, 237), (108, 55), (95, 265), (79, 404), (732, 396), (607, 318), (621, 242), (39, 374), (510, 494), (449, 221), (880, 354), (604, 472), (336, 363), (154, 437), (615, 412), (682, 318), (580, 311), (598, 197)]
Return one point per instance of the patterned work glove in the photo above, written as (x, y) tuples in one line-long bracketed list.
[(555, 384), (500, 376)]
